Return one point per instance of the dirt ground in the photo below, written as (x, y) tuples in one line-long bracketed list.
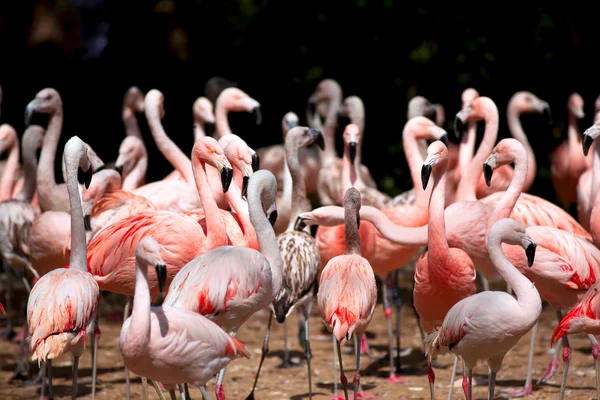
[(291, 383)]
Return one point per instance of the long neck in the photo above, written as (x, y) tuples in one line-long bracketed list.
[(299, 201), (221, 120), (139, 326), (468, 184), (595, 173), (234, 196), (466, 149), (329, 128), (137, 176), (395, 233), (437, 243), (199, 131), (288, 187), (516, 130), (132, 127), (349, 172), (574, 139), (267, 241), (167, 147), (216, 234), (46, 181), (415, 160), (78, 242), (360, 122), (505, 206), (527, 295), (10, 172), (351, 231), (29, 171)]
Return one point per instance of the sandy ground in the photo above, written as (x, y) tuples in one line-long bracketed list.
[(291, 383)]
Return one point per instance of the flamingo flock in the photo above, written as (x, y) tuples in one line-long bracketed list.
[(227, 234)]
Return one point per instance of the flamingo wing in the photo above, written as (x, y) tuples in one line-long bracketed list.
[(584, 317)]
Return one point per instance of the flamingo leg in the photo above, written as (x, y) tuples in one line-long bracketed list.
[(451, 379), (342, 376), (96, 339), (158, 391), (187, 391), (50, 390), (75, 370), (359, 393), (43, 370), (388, 316), (182, 392), (335, 363), (492, 387), (286, 363), (527, 389), (172, 395), (219, 392), (566, 360), (552, 366), (265, 351), (465, 382), (398, 303), (22, 369), (125, 316), (301, 326), (470, 393), (8, 332), (307, 352), (205, 395), (144, 388), (596, 355), (431, 379)]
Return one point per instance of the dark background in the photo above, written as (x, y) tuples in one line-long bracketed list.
[(277, 51)]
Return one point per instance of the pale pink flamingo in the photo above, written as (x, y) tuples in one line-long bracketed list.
[(228, 284), (132, 163), (590, 136), (486, 325), (347, 293), (567, 162), (444, 275), (168, 344), (61, 310), (299, 251), (111, 252), (589, 181), (4, 162), (9, 142)]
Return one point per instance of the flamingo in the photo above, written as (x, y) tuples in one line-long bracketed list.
[(9, 142), (443, 275), (486, 325), (132, 163), (299, 250), (61, 309), (347, 293), (588, 185), (228, 284), (171, 344)]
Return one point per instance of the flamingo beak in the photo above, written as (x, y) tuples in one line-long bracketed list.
[(85, 177), (460, 123), (317, 138), (425, 174), (530, 252), (87, 222), (255, 162), (587, 143), (256, 111), (161, 276), (547, 113), (29, 111), (245, 181), (209, 128), (226, 177), (444, 139), (299, 225), (273, 217), (352, 150)]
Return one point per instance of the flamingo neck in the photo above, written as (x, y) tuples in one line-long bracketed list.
[(137, 176), (360, 122), (167, 147), (595, 173), (414, 158), (351, 230), (139, 326), (234, 196), (199, 131), (349, 173), (10, 171), (221, 120), (216, 234), (32, 139), (516, 130), (299, 202), (437, 242), (329, 154), (398, 234), (46, 181), (466, 149), (78, 258), (130, 122)]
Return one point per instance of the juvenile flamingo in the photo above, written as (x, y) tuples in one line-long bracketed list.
[(228, 284), (61, 310), (487, 325), (347, 293), (443, 275), (171, 344)]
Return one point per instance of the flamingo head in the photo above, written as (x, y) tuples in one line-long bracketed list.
[(204, 114), (589, 136), (148, 253), (134, 99), (351, 139), (509, 231), (46, 101), (436, 160), (131, 150), (208, 151), (240, 156), (236, 100), (289, 121), (506, 151)]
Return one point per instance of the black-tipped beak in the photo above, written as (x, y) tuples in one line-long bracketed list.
[(226, 177), (488, 172), (87, 222), (317, 138), (245, 181), (209, 128), (161, 276), (548, 114), (444, 139), (273, 218), (29, 111), (530, 251), (299, 225), (425, 174), (255, 162), (352, 150), (85, 177), (587, 143), (459, 127), (119, 169), (256, 111)]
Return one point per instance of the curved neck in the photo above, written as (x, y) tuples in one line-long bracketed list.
[(10, 172), (415, 160), (288, 187), (130, 122), (78, 257), (505, 205), (595, 173), (29, 168), (395, 233), (46, 181), (221, 120), (299, 202), (137, 176), (516, 130), (234, 196), (167, 147), (360, 122), (139, 326), (329, 154), (466, 149), (267, 241), (437, 242), (199, 131), (525, 291), (468, 184), (216, 234)]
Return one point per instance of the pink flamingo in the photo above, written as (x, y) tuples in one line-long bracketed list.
[(443, 275), (485, 326), (132, 163), (61, 310), (228, 284), (567, 163), (171, 344), (9, 142), (589, 182), (347, 293)]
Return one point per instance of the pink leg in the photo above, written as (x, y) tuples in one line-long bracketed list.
[(219, 392), (596, 354), (552, 366), (431, 377), (358, 391), (343, 379), (566, 360), (388, 317), (465, 383), (527, 389)]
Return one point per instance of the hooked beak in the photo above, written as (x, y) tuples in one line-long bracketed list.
[(87, 222), (425, 174), (29, 111), (318, 139), (226, 177), (85, 177), (444, 139), (487, 172), (161, 276), (255, 162), (245, 181), (352, 150), (299, 225), (587, 143), (209, 128), (119, 169), (256, 111), (273, 217), (530, 252)]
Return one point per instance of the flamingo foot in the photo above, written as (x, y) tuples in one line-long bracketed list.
[(395, 379), (525, 391), (288, 364), (219, 392), (550, 371), (365, 395), (337, 397)]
